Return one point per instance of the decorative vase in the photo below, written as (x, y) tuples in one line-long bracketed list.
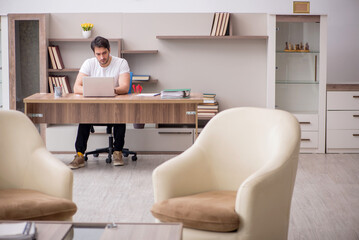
[(86, 34)]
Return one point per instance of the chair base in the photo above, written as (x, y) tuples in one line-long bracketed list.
[(125, 152)]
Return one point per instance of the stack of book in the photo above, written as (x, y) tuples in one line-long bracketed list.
[(55, 58), (59, 81), (220, 25), (175, 93), (140, 77), (209, 107)]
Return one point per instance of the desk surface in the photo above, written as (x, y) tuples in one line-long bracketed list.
[(127, 98)]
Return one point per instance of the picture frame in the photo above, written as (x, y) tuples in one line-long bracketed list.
[(301, 7)]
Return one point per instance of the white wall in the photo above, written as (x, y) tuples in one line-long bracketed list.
[(343, 20)]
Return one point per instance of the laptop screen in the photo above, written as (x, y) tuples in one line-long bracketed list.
[(98, 86)]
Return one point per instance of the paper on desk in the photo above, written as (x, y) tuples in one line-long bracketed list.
[(148, 94)]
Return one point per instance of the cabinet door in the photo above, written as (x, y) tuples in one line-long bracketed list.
[(297, 61)]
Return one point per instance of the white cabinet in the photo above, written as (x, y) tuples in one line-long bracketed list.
[(300, 74), (343, 121)]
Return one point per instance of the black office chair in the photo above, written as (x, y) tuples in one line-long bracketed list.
[(125, 151)]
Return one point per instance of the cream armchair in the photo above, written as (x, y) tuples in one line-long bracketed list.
[(33, 183), (236, 181)]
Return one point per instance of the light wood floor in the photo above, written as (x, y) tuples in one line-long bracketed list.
[(325, 202)]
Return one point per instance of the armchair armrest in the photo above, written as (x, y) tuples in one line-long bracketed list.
[(49, 175), (264, 196), (182, 175)]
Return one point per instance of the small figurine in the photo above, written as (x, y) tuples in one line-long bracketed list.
[(297, 47), (301, 46), (306, 46), (286, 46)]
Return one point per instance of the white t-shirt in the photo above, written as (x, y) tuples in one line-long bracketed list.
[(91, 67)]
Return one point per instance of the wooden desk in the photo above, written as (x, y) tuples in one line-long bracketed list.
[(130, 108)]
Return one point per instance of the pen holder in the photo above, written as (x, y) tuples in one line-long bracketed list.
[(58, 92)]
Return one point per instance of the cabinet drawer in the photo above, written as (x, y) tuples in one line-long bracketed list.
[(347, 100), (309, 140), (343, 139), (308, 122), (343, 120), (155, 139)]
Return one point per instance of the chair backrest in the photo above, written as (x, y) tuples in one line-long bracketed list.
[(240, 141), (131, 75), (19, 138)]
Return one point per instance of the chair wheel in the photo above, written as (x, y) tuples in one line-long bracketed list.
[(96, 155), (125, 154), (108, 160), (134, 158), (85, 157)]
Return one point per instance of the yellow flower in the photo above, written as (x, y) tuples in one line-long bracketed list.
[(86, 26)]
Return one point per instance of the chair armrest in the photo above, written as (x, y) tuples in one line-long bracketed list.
[(49, 175), (182, 175), (264, 196)]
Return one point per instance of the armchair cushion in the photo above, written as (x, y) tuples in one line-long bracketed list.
[(23, 204), (211, 211)]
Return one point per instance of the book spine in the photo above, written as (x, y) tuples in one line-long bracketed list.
[(52, 58), (58, 58), (51, 85)]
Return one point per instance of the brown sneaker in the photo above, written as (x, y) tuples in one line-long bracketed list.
[(117, 158), (78, 162)]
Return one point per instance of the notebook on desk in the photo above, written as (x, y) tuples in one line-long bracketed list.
[(98, 86)]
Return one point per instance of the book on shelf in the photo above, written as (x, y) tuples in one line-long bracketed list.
[(207, 107), (59, 81), (200, 110), (225, 24), (214, 24), (220, 24), (209, 100), (52, 58), (57, 56), (218, 30), (176, 93), (206, 115), (141, 77), (208, 95)]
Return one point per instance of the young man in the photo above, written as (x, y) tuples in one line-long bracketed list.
[(102, 65)]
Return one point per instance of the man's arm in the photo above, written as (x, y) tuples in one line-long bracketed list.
[(124, 83), (78, 86)]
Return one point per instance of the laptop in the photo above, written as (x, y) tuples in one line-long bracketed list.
[(98, 86)]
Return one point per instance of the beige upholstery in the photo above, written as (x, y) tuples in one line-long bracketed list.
[(252, 151), (25, 163)]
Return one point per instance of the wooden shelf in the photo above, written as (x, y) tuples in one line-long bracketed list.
[(210, 37), (79, 39), (64, 70), (139, 51)]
